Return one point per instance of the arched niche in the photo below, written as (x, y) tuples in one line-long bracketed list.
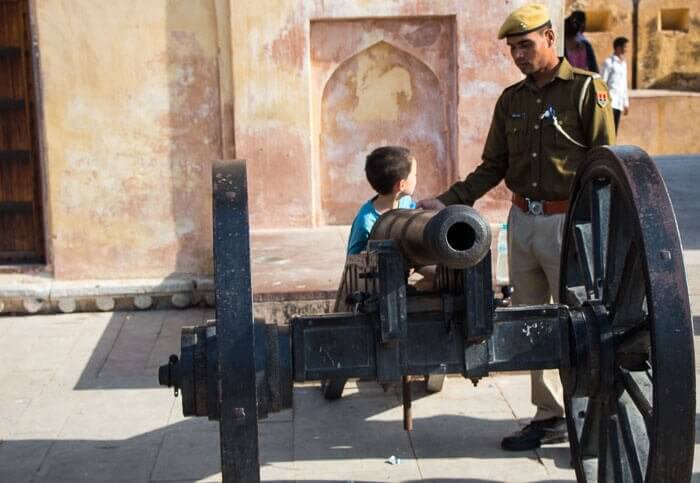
[(381, 95)]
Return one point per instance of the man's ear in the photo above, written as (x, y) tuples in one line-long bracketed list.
[(550, 36)]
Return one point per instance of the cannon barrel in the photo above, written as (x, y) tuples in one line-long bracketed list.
[(457, 236)]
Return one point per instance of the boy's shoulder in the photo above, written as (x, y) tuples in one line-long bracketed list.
[(366, 213)]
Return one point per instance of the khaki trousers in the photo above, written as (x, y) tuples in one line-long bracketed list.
[(534, 246)]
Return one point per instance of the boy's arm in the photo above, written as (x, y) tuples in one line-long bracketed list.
[(359, 234)]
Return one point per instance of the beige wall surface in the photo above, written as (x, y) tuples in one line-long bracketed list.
[(665, 52), (665, 57), (662, 122), (132, 123), (140, 97)]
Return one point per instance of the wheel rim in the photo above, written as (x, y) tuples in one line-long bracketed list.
[(622, 259)]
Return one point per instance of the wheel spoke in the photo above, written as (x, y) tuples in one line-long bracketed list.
[(628, 308), (638, 385), (583, 242), (617, 246), (617, 471), (600, 217), (604, 463), (589, 432), (633, 341), (634, 438)]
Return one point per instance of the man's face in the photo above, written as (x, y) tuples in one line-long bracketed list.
[(531, 52)]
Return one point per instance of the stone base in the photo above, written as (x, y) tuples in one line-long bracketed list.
[(39, 294)]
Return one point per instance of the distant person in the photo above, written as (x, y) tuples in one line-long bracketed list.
[(391, 171), (577, 49), (615, 76)]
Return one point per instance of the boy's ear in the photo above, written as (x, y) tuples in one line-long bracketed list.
[(400, 185)]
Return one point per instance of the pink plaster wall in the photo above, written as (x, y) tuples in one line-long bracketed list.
[(378, 94), (281, 72)]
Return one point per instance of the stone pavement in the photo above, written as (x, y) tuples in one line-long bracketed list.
[(79, 403)]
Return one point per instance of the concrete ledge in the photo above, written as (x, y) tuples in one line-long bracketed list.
[(35, 294)]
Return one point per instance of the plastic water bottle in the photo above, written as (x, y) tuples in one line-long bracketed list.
[(502, 278)]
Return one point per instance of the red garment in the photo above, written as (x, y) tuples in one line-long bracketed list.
[(578, 57)]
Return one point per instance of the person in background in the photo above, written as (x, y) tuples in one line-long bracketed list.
[(615, 76), (574, 50), (578, 18)]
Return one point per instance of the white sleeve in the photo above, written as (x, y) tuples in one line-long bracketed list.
[(606, 71)]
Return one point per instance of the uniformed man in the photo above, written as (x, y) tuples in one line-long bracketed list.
[(541, 129)]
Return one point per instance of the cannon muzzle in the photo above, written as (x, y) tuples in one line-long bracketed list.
[(457, 236)]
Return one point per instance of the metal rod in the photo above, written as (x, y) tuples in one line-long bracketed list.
[(407, 415)]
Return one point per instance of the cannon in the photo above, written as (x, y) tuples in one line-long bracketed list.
[(621, 336)]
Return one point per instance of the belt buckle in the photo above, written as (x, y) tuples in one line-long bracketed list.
[(534, 207)]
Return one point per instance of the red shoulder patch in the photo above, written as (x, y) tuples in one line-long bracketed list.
[(602, 99)]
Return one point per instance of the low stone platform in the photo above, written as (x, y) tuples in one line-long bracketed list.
[(290, 273), (293, 271)]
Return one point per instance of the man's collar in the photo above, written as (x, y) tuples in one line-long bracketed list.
[(564, 71)]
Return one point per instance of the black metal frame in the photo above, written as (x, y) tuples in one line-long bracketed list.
[(623, 342)]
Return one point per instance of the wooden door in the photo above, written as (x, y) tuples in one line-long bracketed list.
[(21, 222)]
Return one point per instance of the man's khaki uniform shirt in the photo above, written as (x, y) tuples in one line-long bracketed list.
[(524, 145)]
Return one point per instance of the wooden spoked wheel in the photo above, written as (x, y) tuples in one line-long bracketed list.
[(629, 384)]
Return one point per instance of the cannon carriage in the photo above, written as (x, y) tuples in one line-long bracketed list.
[(621, 335)]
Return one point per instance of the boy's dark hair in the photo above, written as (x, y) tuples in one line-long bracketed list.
[(386, 165), (620, 42)]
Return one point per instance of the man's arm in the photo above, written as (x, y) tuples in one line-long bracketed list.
[(597, 115), (492, 168)]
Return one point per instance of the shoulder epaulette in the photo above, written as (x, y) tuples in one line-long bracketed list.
[(585, 72)]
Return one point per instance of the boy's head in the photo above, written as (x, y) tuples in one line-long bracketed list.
[(620, 46), (391, 170)]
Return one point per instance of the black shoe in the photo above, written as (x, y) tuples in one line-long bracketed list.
[(535, 434)]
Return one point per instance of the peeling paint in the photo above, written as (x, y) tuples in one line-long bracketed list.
[(381, 88)]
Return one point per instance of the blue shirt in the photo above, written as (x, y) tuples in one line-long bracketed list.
[(365, 220)]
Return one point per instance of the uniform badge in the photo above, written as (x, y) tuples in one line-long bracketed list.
[(602, 99)]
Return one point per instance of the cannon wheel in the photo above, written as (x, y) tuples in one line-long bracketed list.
[(238, 420), (622, 254)]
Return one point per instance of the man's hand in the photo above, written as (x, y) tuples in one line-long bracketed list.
[(627, 110), (430, 204)]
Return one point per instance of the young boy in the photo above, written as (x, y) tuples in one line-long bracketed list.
[(391, 171)]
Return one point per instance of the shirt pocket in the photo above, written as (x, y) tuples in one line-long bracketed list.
[(515, 135)]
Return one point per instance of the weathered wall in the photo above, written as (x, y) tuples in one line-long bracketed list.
[(138, 99), (276, 119), (132, 123), (663, 53), (665, 58), (662, 122), (396, 90)]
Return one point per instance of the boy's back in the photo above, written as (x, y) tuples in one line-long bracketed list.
[(365, 220)]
